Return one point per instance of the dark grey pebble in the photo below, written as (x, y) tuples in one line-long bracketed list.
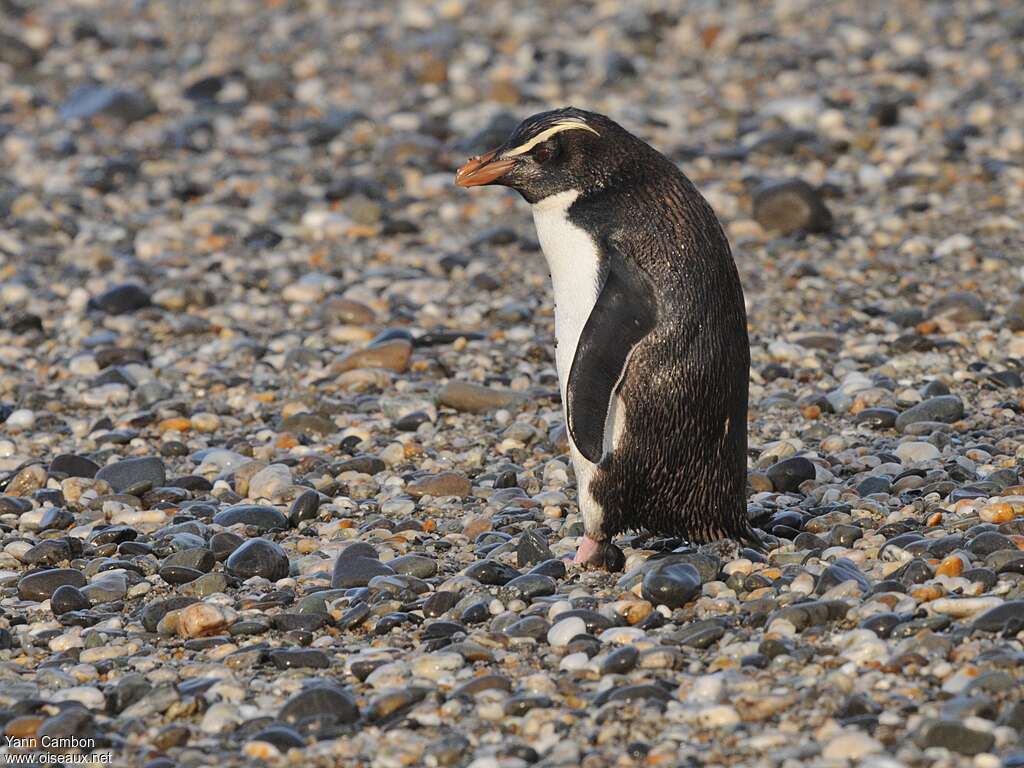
[(439, 604), (491, 572), (132, 472), (480, 684), (673, 585), (199, 558), (41, 585), (700, 634), (529, 586), (390, 704), (296, 658), (304, 507), (553, 568), (790, 206), (280, 736), (256, 515), (356, 565), (223, 543), (944, 409), (812, 613), (621, 661), (532, 548), (987, 542), (420, 566), (877, 418), (321, 701), (291, 622), (531, 626), (48, 552), (788, 474), (1007, 618), (258, 557), (68, 598), (633, 693), (71, 465), (179, 574), (92, 100), (56, 519), (353, 617), (953, 736), (838, 572)]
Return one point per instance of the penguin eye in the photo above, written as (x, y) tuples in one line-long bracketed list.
[(544, 152)]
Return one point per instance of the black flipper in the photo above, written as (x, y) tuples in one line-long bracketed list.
[(625, 312)]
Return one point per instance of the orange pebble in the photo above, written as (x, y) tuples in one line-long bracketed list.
[(927, 593), (951, 566), (24, 727), (935, 519), (286, 441), (999, 512), (179, 423)]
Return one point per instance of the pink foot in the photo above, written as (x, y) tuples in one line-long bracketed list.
[(587, 549)]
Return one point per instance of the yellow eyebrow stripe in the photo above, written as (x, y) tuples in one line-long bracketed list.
[(563, 125)]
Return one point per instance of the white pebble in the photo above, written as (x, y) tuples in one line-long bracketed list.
[(565, 630)]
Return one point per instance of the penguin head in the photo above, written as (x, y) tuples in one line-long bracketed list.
[(551, 152)]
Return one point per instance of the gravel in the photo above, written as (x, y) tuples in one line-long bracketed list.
[(283, 474)]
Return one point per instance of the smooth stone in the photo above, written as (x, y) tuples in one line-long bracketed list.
[(532, 548), (672, 585), (439, 604), (956, 737), (529, 586), (788, 474), (322, 701), (356, 565), (621, 661), (564, 630), (258, 557), (917, 452), (790, 206), (68, 598), (414, 565), (223, 543), (197, 558), (89, 101), (156, 610), (445, 484), (1007, 618), (476, 398), (944, 408), (297, 658), (530, 626), (121, 299), (258, 516), (838, 572), (305, 507), (281, 736), (127, 473), (41, 585), (491, 572)]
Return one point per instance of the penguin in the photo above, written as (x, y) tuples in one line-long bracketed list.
[(652, 352)]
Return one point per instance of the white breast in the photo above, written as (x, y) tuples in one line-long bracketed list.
[(574, 262)]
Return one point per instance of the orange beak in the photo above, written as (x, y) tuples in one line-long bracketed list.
[(482, 170)]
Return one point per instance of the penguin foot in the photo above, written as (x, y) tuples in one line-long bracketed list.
[(600, 554), (586, 551)]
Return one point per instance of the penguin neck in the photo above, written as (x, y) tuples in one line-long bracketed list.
[(574, 260)]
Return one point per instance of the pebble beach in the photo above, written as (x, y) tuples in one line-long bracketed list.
[(284, 477)]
